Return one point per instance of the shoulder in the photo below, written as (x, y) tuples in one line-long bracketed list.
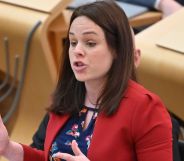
[(137, 92), (143, 103), (148, 113)]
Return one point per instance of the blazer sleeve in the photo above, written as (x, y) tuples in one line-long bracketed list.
[(32, 154), (152, 130), (147, 3)]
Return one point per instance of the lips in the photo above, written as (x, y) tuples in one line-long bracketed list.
[(79, 66)]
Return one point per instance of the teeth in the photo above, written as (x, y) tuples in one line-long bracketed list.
[(79, 64)]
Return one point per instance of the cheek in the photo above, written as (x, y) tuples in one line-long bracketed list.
[(103, 62), (69, 52), (70, 55), (108, 59)]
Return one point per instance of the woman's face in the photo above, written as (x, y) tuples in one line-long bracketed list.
[(90, 56)]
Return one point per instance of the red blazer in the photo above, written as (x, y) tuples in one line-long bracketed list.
[(140, 130)]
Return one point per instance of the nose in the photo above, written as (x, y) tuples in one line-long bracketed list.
[(78, 50)]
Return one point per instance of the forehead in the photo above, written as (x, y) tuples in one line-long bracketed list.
[(83, 24)]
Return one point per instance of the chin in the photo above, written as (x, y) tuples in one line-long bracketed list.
[(80, 78)]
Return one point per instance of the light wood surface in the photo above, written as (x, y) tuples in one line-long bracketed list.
[(41, 74), (16, 23), (47, 37), (38, 81), (162, 70), (145, 19), (40, 5)]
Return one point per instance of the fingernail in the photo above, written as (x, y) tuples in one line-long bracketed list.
[(54, 155), (74, 141)]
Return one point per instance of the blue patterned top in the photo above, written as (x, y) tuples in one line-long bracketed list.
[(74, 130)]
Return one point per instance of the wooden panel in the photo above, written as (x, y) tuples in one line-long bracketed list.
[(162, 70), (41, 74), (147, 18), (41, 5)]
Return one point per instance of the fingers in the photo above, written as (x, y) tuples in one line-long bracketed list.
[(4, 139), (1, 122), (64, 156), (68, 157), (75, 148)]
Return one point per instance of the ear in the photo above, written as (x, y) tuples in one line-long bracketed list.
[(137, 57)]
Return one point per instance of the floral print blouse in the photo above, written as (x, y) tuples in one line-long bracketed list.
[(74, 130)]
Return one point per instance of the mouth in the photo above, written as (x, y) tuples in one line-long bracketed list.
[(79, 66)]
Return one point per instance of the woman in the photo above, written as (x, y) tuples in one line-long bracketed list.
[(98, 113)]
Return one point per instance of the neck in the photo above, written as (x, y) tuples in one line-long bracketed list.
[(89, 104), (93, 91)]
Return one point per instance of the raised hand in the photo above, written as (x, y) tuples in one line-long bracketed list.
[(9, 149), (79, 156), (4, 138)]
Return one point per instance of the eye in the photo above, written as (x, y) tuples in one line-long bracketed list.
[(90, 43), (73, 43)]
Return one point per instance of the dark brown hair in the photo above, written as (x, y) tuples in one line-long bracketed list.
[(69, 94)]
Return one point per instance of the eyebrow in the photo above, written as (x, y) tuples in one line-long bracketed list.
[(85, 33)]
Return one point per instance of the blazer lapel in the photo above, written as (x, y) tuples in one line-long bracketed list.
[(55, 124)]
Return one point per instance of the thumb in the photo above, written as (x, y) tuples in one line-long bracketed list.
[(76, 149), (1, 121), (2, 126)]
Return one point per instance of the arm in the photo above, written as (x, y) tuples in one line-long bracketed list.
[(146, 3), (167, 7), (175, 132), (9, 149), (32, 154), (152, 130), (17, 152)]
